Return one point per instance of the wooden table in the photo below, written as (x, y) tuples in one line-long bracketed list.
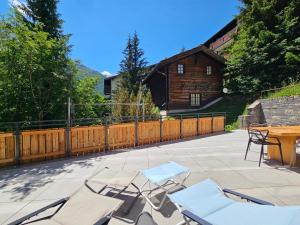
[(287, 135)]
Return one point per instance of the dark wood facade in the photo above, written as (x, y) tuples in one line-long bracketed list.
[(188, 80)]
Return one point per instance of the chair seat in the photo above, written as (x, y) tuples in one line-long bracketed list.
[(86, 207), (164, 172), (207, 201)]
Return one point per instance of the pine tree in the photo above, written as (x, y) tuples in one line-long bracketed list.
[(45, 12), (265, 53), (133, 65)]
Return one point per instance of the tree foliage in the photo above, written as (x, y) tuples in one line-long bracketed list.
[(130, 94), (35, 72), (133, 65), (88, 103), (37, 76), (266, 50), (45, 13)]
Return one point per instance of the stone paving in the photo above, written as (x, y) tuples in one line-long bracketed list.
[(219, 157)]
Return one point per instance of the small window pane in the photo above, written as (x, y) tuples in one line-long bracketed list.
[(180, 69), (208, 70), (195, 99)]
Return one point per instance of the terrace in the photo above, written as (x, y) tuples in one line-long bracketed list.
[(219, 157)]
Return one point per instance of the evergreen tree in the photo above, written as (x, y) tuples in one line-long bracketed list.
[(266, 50), (133, 65), (45, 12)]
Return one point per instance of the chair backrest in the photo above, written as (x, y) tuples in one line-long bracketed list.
[(257, 135), (145, 219)]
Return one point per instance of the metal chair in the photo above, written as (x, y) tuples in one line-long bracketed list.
[(261, 137)]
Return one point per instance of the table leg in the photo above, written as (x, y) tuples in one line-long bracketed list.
[(288, 145)]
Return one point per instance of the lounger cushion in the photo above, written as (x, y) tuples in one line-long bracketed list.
[(254, 214), (202, 199), (164, 172), (114, 177), (208, 202), (86, 207)]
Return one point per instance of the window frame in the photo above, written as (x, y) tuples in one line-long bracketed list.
[(180, 69), (209, 70), (195, 99)]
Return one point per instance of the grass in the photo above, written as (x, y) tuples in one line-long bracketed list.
[(233, 105), (290, 90)]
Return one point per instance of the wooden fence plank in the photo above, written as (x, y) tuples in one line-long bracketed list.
[(170, 130), (42, 144), (205, 125), (189, 127), (148, 132), (87, 139), (121, 135), (218, 123)]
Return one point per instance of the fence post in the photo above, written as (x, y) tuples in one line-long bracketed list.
[(161, 128), (136, 131), (180, 126), (106, 145), (18, 145), (68, 141), (197, 124), (225, 115), (212, 122)]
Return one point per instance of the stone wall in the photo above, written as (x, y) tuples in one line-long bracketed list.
[(281, 111)]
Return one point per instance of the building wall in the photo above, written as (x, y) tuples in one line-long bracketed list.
[(157, 86), (194, 80), (223, 41)]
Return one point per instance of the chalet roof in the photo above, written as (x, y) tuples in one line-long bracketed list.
[(112, 77), (229, 26), (174, 58)]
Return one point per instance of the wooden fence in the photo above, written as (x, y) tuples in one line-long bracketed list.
[(37, 145)]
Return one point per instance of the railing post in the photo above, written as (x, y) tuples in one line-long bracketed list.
[(106, 126), (180, 126), (212, 122), (160, 128), (197, 124), (68, 139), (136, 131), (225, 115), (18, 145)]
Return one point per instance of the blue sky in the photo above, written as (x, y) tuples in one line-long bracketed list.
[(100, 28)]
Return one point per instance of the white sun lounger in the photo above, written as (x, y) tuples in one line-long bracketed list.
[(161, 177), (207, 204)]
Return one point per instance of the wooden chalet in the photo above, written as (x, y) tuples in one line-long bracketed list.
[(187, 81)]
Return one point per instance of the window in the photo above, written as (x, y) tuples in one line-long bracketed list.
[(180, 68), (195, 99), (208, 70)]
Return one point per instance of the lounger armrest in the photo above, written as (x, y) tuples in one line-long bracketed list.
[(37, 212), (246, 197), (195, 218)]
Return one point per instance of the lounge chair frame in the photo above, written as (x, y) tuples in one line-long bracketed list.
[(189, 216), (119, 191), (163, 187)]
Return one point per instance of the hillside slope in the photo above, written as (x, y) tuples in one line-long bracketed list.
[(85, 71), (233, 105), (291, 90)]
